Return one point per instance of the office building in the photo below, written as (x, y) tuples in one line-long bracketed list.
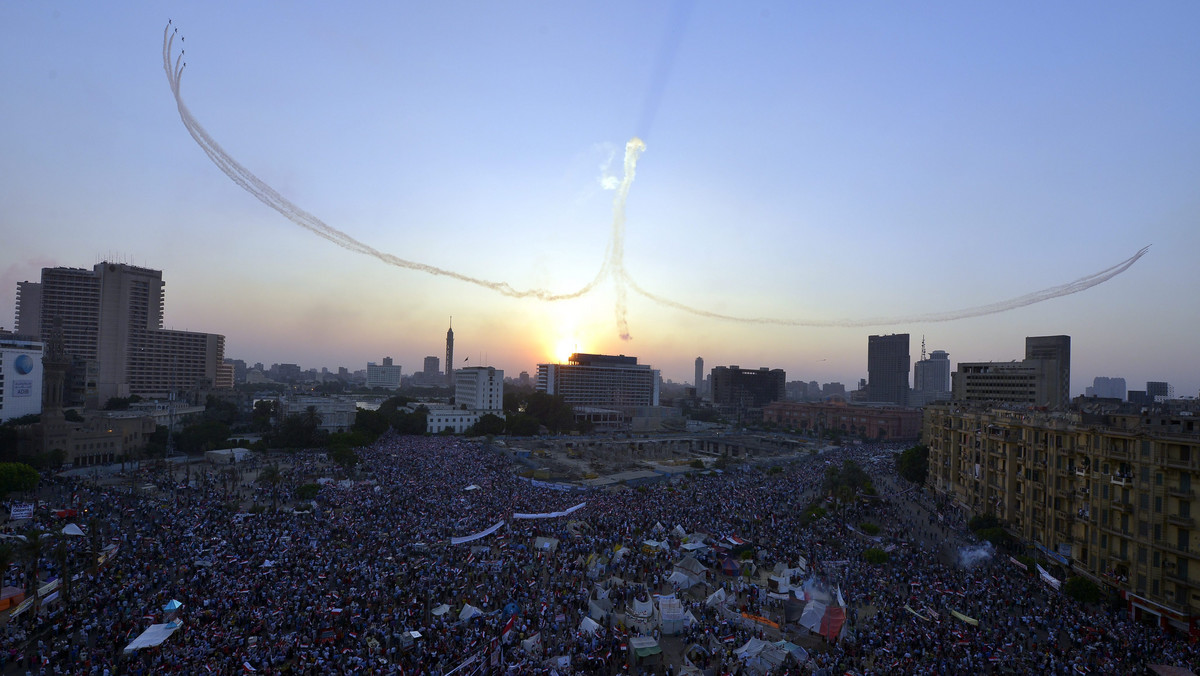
[(931, 379), (744, 392), (336, 414), (1102, 492), (385, 375), (1106, 388), (601, 381), (20, 376), (112, 321), (1159, 391), (480, 389), (699, 383), (1041, 379), (888, 363), (873, 422)]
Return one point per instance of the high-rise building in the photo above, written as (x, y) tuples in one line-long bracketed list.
[(1106, 388), (1041, 379), (112, 320), (20, 376), (744, 392), (931, 379), (699, 383), (888, 363), (385, 375), (1056, 352), (480, 389), (600, 380), (1158, 391), (432, 367)]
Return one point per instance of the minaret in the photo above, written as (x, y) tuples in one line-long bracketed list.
[(450, 354)]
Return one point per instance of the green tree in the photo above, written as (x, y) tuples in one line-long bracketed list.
[(201, 437), (30, 552), (913, 464), (411, 423), (307, 491), (488, 424), (345, 457), (521, 425), (16, 477), (264, 411)]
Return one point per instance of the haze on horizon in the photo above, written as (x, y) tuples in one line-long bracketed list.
[(824, 163)]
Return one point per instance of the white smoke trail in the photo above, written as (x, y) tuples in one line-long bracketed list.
[(267, 195), (1081, 284), (614, 260)]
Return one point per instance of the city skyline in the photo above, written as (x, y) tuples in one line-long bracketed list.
[(857, 162)]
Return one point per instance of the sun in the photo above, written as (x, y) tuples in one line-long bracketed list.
[(564, 348)]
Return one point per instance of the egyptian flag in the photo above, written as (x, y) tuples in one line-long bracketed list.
[(508, 627)]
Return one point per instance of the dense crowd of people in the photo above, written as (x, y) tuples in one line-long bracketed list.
[(367, 579)]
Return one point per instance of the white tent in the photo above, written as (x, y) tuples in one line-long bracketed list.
[(468, 612), (682, 580), (226, 456), (599, 609), (441, 610), (588, 625), (533, 644), (72, 529), (714, 598), (154, 635), (545, 544), (670, 611), (811, 618), (640, 615)]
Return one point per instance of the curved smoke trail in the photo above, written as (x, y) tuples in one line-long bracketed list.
[(267, 195), (614, 261)]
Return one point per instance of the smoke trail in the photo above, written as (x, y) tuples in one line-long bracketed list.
[(1081, 284), (267, 195), (614, 260), (615, 264)]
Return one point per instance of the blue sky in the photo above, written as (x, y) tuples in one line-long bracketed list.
[(803, 161)]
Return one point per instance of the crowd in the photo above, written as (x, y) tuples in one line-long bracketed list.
[(360, 580)]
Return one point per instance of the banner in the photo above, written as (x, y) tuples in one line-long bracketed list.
[(477, 536), (548, 515), (1048, 578), (969, 620), (21, 510)]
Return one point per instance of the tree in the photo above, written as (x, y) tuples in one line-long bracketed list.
[(1082, 590), (521, 425), (271, 477), (201, 437), (30, 551), (913, 464), (264, 412), (16, 477), (488, 424), (344, 456)]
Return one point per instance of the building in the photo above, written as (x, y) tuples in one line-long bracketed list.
[(1159, 391), (20, 376), (744, 392), (336, 413), (1101, 492), (450, 355), (603, 381), (112, 321), (480, 389), (1106, 388), (699, 383), (892, 423), (931, 379), (385, 375), (1041, 379), (433, 367), (887, 369)]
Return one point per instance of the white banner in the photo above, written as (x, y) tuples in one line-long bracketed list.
[(477, 536), (1048, 578), (548, 515), (21, 510)]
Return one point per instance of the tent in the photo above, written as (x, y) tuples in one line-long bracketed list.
[(440, 610), (72, 529), (692, 569), (670, 610), (226, 456), (832, 622), (639, 615), (598, 609), (811, 618), (730, 566), (641, 648), (533, 644), (154, 635), (588, 625), (714, 598), (545, 544), (468, 612), (172, 606)]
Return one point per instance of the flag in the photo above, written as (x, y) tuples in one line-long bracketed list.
[(508, 627), (467, 359)]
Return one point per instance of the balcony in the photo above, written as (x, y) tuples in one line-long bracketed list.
[(1173, 576), (1181, 493), (1081, 472), (1174, 548), (1119, 480), (1123, 507), (1181, 521)]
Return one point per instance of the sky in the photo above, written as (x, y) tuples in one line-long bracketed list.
[(819, 167)]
